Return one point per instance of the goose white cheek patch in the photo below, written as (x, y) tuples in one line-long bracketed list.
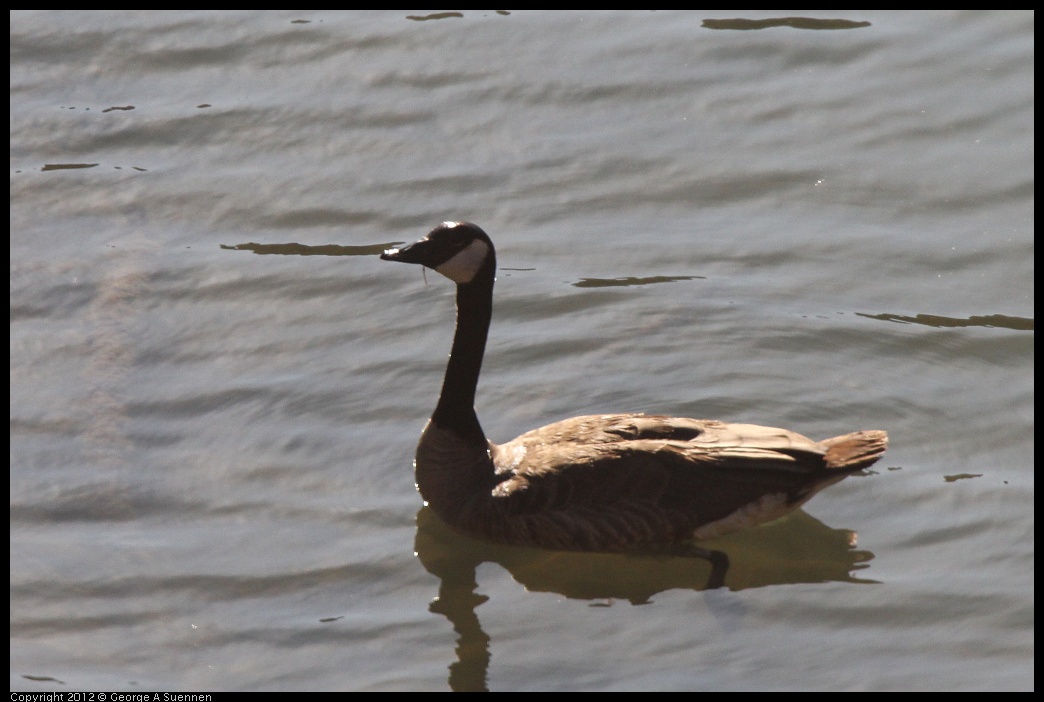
[(466, 263)]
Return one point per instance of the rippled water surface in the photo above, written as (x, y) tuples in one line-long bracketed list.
[(216, 385)]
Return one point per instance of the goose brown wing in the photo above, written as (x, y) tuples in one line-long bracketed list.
[(611, 481)]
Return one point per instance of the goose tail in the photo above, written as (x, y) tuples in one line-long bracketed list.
[(854, 451)]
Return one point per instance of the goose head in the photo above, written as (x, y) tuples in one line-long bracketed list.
[(457, 250)]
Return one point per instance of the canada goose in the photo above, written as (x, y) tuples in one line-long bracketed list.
[(607, 482)]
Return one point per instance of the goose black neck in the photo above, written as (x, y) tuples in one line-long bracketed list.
[(456, 408)]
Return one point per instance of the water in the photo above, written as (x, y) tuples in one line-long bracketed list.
[(211, 432)]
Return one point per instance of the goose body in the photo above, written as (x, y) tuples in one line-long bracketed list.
[(607, 482)]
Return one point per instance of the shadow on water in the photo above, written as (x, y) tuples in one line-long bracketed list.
[(796, 549)]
